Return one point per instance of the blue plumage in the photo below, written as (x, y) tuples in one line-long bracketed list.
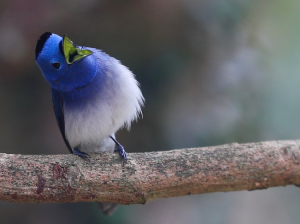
[(93, 95), (67, 77)]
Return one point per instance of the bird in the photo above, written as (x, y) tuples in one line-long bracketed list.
[(93, 96)]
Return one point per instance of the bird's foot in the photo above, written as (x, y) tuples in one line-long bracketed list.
[(120, 149), (82, 155)]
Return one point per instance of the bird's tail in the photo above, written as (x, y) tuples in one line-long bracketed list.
[(108, 208)]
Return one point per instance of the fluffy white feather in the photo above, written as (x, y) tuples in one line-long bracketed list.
[(117, 105)]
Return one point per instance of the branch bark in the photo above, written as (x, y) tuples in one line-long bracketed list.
[(149, 176)]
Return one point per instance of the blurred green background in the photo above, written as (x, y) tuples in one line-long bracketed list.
[(212, 72)]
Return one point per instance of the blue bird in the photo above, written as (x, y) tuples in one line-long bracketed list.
[(93, 96)]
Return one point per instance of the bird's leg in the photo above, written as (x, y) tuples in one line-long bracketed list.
[(83, 155), (120, 148)]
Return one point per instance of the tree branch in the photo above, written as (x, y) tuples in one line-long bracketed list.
[(149, 176)]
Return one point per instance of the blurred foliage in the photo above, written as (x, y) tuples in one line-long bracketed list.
[(212, 72)]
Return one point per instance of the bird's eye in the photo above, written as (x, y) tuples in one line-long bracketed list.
[(56, 65)]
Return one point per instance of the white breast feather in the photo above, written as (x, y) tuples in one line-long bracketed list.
[(118, 104)]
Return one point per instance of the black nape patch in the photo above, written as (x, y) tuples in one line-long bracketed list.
[(61, 48), (40, 43)]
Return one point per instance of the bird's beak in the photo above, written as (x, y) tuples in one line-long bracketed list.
[(72, 53)]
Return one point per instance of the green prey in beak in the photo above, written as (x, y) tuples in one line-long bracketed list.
[(72, 53)]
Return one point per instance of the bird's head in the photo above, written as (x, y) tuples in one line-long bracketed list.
[(64, 65)]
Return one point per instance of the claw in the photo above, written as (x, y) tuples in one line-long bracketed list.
[(122, 152), (120, 149), (82, 155)]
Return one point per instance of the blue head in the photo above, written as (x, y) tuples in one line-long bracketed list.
[(64, 65)]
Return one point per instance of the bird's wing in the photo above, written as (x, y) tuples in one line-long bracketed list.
[(59, 114)]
